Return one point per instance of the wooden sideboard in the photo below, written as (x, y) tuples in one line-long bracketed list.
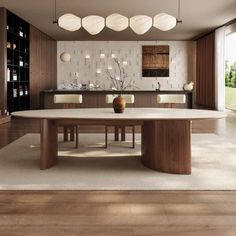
[(96, 99)]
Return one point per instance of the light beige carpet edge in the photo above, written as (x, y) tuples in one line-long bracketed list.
[(91, 167)]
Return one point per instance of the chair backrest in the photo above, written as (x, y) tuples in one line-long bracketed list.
[(68, 98), (129, 98), (171, 98)]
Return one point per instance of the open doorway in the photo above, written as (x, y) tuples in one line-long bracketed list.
[(230, 72)]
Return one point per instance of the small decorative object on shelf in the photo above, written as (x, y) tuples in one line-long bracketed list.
[(26, 90), (188, 86), (15, 93), (8, 45), (119, 104), (21, 63), (21, 91), (21, 34), (13, 46), (8, 74), (158, 86), (14, 75)]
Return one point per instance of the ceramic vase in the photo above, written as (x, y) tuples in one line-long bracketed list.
[(119, 104)]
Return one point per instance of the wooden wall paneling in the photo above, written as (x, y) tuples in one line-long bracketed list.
[(42, 64), (43, 61), (54, 64), (35, 65), (205, 81), (3, 60), (48, 63)]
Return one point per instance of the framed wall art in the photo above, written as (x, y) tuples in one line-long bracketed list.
[(155, 61)]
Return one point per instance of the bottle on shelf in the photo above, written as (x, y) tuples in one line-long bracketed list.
[(9, 60), (8, 74), (8, 45), (14, 75), (21, 34), (15, 93), (26, 90), (21, 63), (21, 91)]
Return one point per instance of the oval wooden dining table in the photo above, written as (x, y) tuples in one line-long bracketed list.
[(166, 133)]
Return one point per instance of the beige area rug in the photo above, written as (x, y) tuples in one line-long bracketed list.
[(91, 167)]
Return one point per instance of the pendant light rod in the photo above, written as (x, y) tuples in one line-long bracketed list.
[(179, 21), (55, 13)]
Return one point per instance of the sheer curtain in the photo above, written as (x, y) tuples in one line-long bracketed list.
[(220, 68)]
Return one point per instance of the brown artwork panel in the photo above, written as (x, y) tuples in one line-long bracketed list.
[(155, 61)]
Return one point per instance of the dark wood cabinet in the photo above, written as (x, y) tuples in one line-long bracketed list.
[(27, 63), (17, 45)]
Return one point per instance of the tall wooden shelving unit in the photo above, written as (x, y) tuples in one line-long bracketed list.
[(18, 44), (27, 64)]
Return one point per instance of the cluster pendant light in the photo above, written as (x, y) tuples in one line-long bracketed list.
[(140, 24)]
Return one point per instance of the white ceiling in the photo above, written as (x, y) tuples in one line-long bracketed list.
[(199, 16)]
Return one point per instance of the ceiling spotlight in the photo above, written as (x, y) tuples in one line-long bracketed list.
[(140, 24), (69, 22), (164, 22), (117, 22), (93, 24)]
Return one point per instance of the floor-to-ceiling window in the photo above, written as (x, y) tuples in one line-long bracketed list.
[(230, 72)]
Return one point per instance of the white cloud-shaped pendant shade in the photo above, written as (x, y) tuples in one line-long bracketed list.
[(117, 22), (140, 24), (93, 24), (69, 22), (164, 22)]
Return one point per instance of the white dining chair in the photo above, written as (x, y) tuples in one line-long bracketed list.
[(171, 99), (69, 101), (129, 98)]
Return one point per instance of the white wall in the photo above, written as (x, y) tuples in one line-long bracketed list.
[(182, 63)]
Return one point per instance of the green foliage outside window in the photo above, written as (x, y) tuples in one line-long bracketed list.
[(230, 75)]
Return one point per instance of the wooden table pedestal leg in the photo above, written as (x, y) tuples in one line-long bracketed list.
[(48, 147), (166, 146), (65, 132), (123, 133), (116, 133)]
